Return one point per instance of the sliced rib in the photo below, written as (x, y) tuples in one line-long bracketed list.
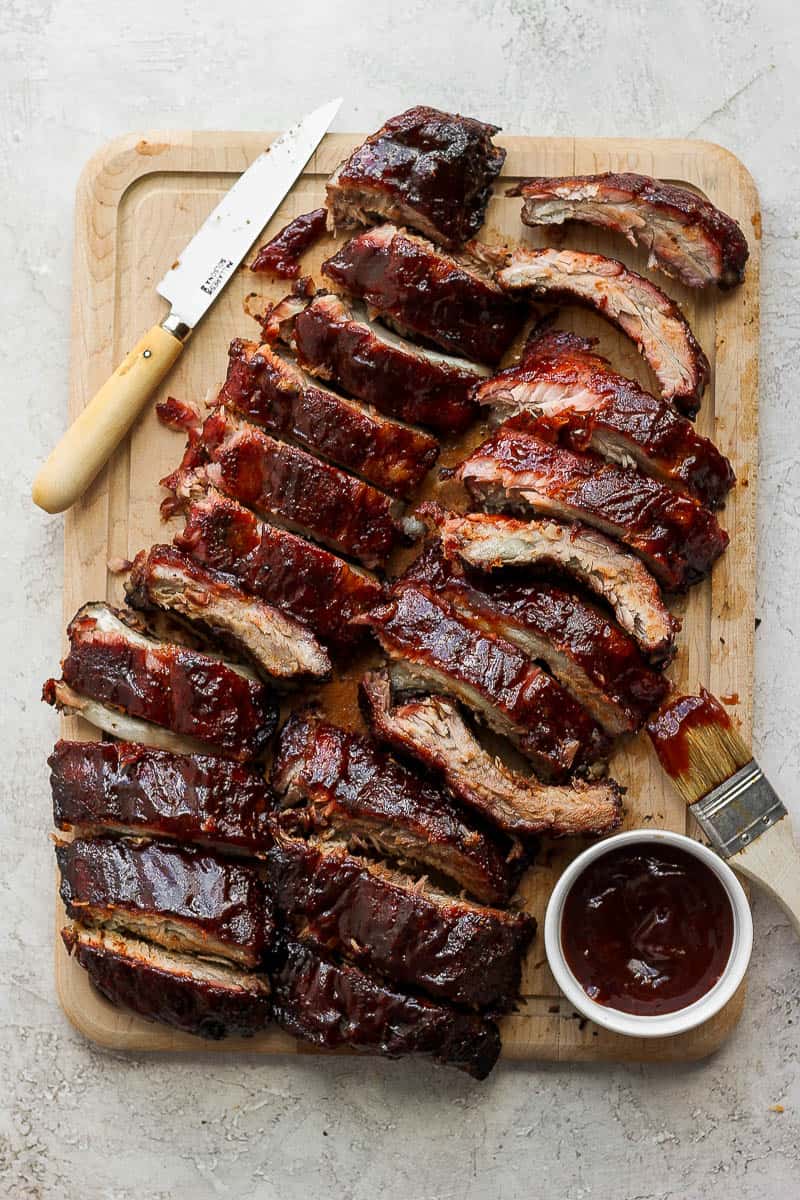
[(452, 302), (270, 390), (426, 168), (516, 470), (287, 485), (399, 928), (183, 898), (629, 301), (332, 1005), (443, 649), (562, 380), (360, 792), (280, 255), (123, 787), (338, 342), (589, 655), (431, 729), (278, 646), (685, 235), (190, 693), (280, 568), (210, 1000), (490, 543)]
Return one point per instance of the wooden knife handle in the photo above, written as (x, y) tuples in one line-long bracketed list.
[(98, 430)]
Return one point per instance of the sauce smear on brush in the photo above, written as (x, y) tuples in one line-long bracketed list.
[(670, 727), (647, 929)]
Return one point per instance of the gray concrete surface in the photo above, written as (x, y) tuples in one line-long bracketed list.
[(78, 1123)]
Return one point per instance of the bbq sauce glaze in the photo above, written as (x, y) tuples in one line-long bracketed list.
[(647, 929)]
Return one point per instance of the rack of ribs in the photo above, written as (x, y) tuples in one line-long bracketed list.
[(210, 1000), (315, 586), (425, 293), (433, 731), (400, 928), (277, 645), (653, 322), (563, 381), (516, 470), (269, 390), (124, 787), (425, 168), (332, 1005), (135, 687), (183, 898), (684, 234), (361, 793)]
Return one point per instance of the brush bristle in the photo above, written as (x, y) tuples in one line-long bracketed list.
[(697, 744)]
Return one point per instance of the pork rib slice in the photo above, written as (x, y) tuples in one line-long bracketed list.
[(334, 1004), (443, 649), (338, 342), (516, 470), (270, 390), (210, 1000), (183, 898), (125, 787), (685, 235), (488, 543), (432, 730), (314, 585), (426, 168), (397, 927), (277, 645), (360, 792), (629, 301), (192, 694), (589, 655), (565, 382), (289, 486), (452, 302)]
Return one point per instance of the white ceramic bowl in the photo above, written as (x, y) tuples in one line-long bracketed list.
[(665, 1024)]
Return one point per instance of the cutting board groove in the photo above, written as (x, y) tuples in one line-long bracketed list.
[(139, 200)]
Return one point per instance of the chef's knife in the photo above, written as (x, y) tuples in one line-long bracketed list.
[(191, 286)]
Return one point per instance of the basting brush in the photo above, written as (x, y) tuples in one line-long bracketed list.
[(732, 802)]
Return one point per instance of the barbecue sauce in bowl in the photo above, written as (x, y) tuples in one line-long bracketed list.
[(647, 929)]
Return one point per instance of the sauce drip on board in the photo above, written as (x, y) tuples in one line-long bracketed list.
[(647, 929), (280, 256)]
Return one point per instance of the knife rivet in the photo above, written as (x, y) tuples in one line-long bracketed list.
[(147, 354)]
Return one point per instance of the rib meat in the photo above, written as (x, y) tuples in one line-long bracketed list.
[(588, 654), (451, 302), (280, 568), (397, 927), (287, 485), (431, 729), (211, 1000), (194, 695), (279, 256), (278, 646), (629, 301), (489, 543), (339, 343), (563, 381), (334, 1004), (122, 787), (183, 898), (426, 168), (444, 649), (515, 469), (270, 390), (361, 793), (684, 234)]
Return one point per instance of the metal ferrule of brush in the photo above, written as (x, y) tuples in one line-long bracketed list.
[(735, 813)]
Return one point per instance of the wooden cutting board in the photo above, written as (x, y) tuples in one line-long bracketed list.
[(139, 201)]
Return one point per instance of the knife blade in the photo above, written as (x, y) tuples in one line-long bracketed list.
[(190, 286)]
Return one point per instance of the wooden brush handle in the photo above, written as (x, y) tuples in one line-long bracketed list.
[(773, 861), (98, 430)]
